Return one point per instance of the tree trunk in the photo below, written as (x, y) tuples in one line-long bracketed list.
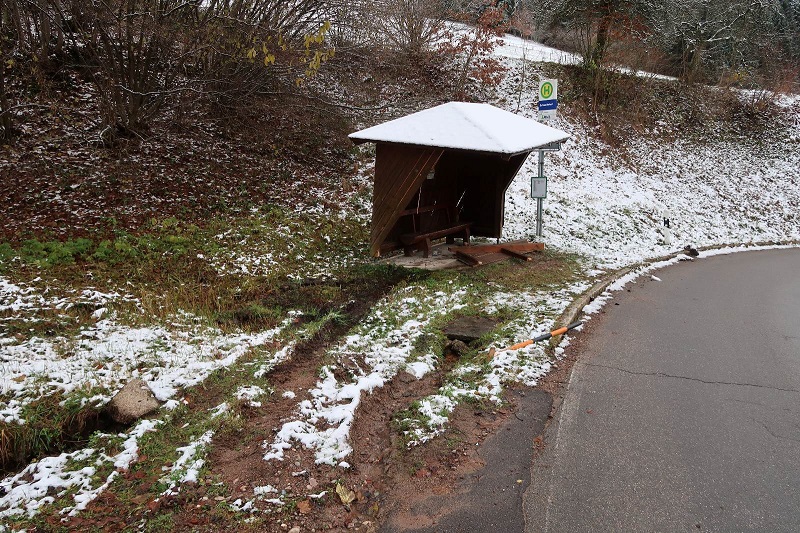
[(598, 50), (5, 115)]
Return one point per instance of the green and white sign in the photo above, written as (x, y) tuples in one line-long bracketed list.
[(548, 90), (548, 99)]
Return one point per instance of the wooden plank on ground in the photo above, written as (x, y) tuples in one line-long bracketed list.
[(516, 254), (466, 258), (484, 254), (519, 247)]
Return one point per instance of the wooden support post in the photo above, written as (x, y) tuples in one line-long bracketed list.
[(468, 259)]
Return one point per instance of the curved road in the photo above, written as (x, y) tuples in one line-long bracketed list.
[(683, 411)]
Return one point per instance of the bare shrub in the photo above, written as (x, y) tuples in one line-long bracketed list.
[(472, 48), (140, 53), (412, 27)]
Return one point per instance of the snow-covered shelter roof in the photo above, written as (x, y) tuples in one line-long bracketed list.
[(465, 126)]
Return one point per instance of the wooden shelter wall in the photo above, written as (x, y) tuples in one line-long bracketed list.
[(399, 172), (475, 182)]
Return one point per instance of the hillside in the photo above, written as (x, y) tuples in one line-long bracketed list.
[(222, 259)]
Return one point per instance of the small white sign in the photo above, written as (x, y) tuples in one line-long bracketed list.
[(538, 187), (547, 116)]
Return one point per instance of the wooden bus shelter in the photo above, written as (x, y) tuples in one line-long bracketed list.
[(443, 172)]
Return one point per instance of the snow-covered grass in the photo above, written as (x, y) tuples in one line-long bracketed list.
[(609, 204), (484, 380), (102, 357), (186, 469), (295, 243), (16, 299), (713, 194), (42, 482), (372, 355)]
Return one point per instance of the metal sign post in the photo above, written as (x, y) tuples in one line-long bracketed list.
[(540, 200), (539, 185), (539, 191)]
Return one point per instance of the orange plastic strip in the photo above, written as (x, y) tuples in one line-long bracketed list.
[(521, 345), (559, 331)]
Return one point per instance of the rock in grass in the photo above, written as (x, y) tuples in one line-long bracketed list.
[(134, 401), (469, 328), (457, 348)]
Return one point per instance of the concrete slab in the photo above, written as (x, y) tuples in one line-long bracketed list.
[(441, 258), (469, 328)]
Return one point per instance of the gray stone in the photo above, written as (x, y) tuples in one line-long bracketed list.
[(456, 347), (134, 401), (469, 328)]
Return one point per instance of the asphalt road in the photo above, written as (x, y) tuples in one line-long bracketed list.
[(490, 499), (683, 410)]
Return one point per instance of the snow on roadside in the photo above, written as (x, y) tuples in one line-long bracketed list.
[(620, 283), (527, 365)]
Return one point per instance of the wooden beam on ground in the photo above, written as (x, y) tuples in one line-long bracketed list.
[(519, 247), (485, 254), (524, 247), (466, 258), (512, 253)]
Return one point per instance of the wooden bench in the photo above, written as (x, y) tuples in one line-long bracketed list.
[(421, 240)]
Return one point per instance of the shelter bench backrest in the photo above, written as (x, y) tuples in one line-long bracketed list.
[(419, 224)]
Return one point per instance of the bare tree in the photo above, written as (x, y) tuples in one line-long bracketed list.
[(472, 48), (596, 23), (5, 58), (710, 36)]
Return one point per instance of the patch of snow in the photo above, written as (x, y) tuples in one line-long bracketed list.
[(41, 482), (219, 410), (250, 394), (186, 469), (264, 490)]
